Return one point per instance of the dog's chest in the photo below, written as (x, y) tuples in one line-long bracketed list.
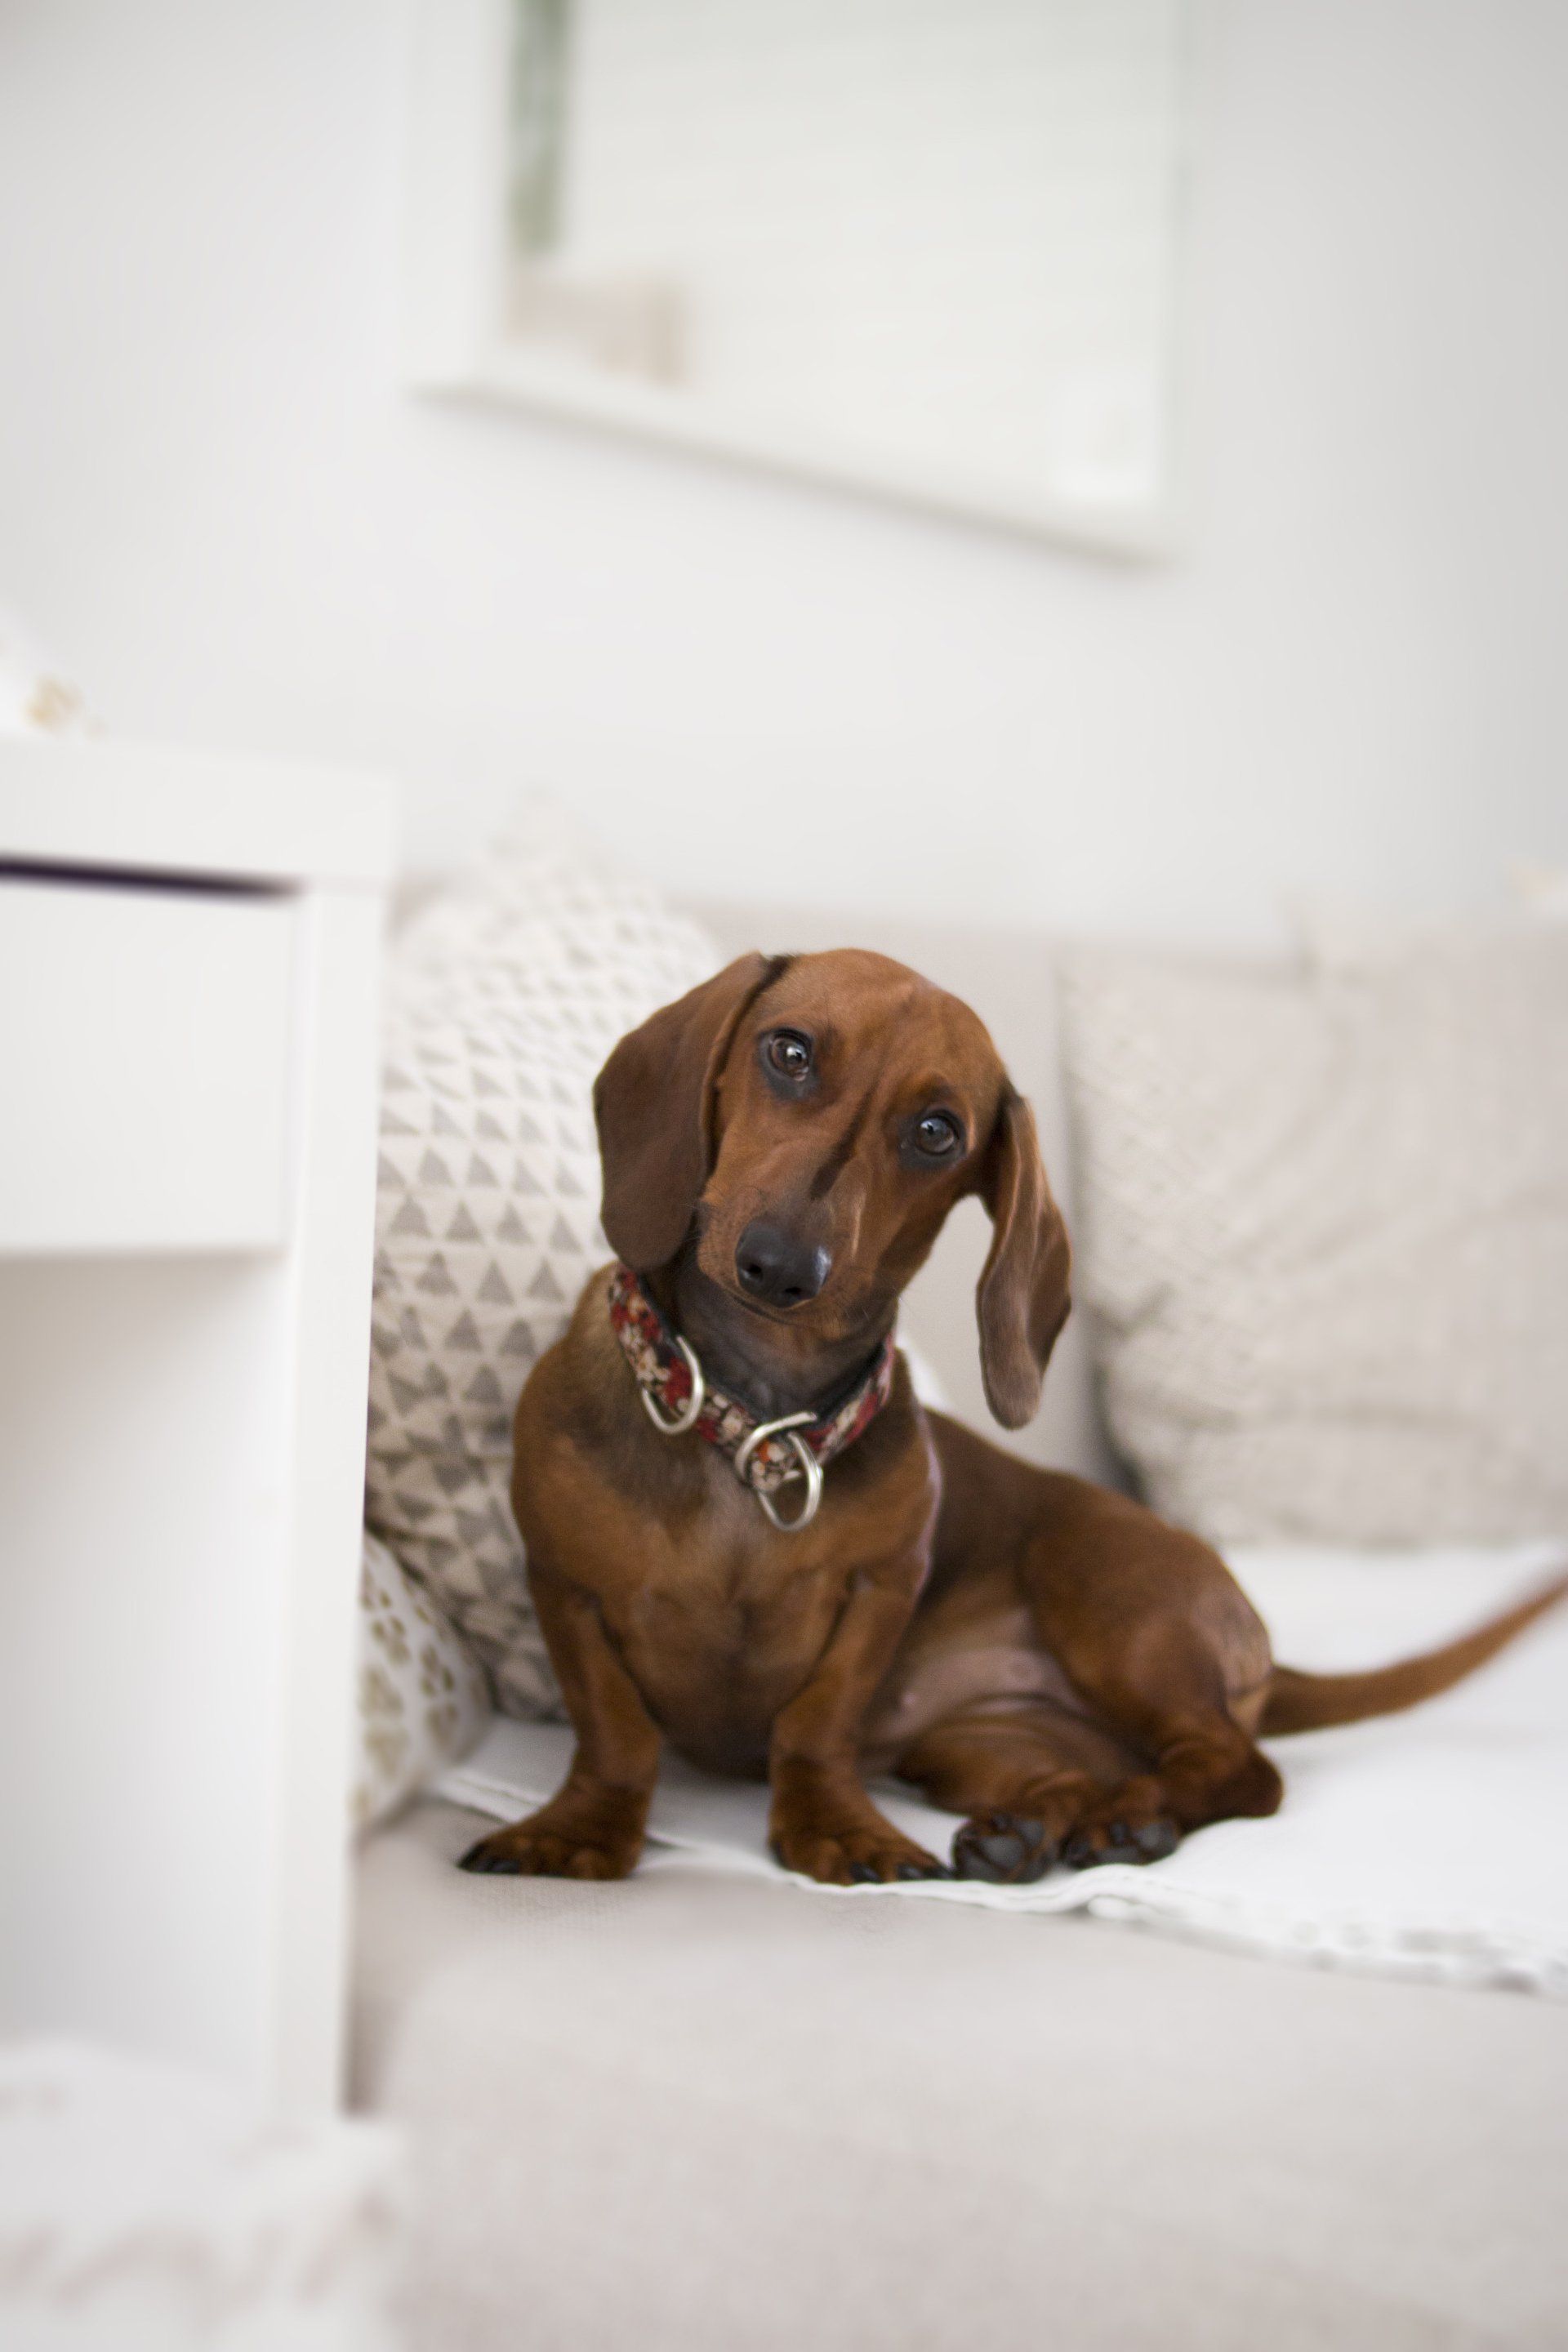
[(723, 1622)]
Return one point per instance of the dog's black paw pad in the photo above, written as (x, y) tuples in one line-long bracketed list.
[(1151, 1843), (1002, 1849), (492, 1865)]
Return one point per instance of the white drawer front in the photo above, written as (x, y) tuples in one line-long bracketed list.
[(144, 1046)]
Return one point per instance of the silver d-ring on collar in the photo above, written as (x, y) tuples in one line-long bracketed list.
[(810, 1470), (687, 1417)]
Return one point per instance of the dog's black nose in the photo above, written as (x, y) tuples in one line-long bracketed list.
[(778, 1270)]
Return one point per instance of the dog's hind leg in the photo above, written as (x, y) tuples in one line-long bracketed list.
[(1164, 1693), (1166, 1653), (1040, 1785), (1204, 1770), (1026, 1775)]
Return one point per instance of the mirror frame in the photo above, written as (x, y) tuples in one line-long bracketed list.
[(454, 345)]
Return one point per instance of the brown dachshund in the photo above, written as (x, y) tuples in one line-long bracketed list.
[(869, 1586)]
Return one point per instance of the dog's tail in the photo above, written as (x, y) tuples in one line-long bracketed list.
[(1299, 1702)]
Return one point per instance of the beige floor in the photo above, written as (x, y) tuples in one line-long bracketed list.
[(693, 2111)]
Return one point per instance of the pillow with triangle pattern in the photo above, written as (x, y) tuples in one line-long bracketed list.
[(507, 994)]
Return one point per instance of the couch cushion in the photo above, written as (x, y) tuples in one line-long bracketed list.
[(1323, 1233), (699, 2111), (508, 991), (423, 1697)]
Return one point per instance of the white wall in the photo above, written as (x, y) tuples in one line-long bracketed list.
[(218, 506)]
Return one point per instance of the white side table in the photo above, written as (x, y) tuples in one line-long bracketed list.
[(189, 954)]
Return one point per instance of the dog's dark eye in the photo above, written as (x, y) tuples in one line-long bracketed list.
[(789, 1053), (936, 1134)]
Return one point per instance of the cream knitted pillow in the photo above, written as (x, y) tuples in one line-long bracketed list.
[(423, 1697), (507, 993), (1323, 1234)]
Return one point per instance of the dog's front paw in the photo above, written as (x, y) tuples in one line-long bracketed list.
[(538, 1848), (859, 1850)]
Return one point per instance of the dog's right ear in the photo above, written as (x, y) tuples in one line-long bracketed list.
[(1024, 1295), (653, 1106)]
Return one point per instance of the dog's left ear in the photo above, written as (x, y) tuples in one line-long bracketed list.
[(1023, 1296), (653, 1106)]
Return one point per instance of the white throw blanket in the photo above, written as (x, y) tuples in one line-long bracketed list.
[(1432, 1844)]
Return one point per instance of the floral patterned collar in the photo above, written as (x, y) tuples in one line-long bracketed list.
[(764, 1454)]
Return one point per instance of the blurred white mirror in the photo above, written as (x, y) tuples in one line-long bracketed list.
[(924, 248)]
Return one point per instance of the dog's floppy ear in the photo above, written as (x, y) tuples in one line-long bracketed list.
[(653, 1106), (1023, 1296)]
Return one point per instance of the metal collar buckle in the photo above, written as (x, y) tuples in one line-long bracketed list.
[(810, 1469), (687, 1417)]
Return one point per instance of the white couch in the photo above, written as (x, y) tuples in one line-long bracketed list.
[(699, 2111)]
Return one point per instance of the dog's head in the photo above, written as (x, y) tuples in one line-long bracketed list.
[(810, 1120)]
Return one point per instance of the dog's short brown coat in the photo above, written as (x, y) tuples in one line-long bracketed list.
[(1038, 1655)]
